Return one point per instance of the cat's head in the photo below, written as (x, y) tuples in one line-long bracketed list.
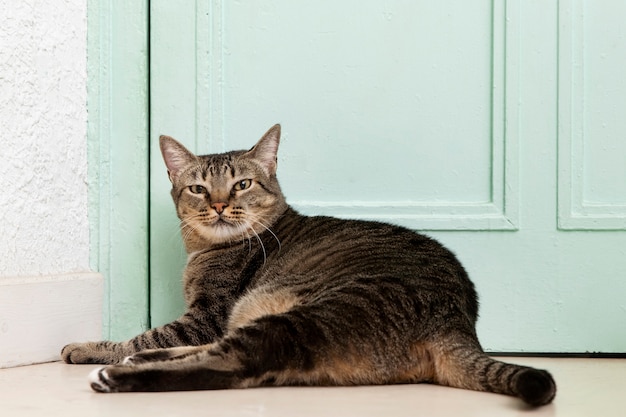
[(227, 197)]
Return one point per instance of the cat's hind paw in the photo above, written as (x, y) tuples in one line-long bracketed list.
[(100, 381)]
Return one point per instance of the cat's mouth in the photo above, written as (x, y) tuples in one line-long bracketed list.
[(221, 221), (214, 223), (224, 225), (225, 230), (220, 228)]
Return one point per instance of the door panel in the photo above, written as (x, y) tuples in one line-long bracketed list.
[(437, 115), (362, 94), (592, 102)]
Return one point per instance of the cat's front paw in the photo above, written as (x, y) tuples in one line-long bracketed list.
[(90, 352), (77, 353)]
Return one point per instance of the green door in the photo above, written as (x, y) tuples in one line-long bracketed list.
[(471, 121)]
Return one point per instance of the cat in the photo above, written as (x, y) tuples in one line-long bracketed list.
[(278, 298)]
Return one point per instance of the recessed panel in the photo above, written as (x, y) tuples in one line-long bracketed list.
[(380, 101), (604, 104)]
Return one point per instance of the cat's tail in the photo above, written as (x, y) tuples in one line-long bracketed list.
[(462, 366)]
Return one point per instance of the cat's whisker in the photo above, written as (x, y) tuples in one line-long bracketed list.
[(244, 234), (257, 221), (262, 246), (187, 226), (188, 221)]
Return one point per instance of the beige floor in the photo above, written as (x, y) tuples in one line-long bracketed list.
[(585, 388)]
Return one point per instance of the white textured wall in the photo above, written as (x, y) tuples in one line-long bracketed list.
[(43, 164)]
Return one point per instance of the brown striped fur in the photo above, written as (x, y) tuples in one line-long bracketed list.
[(277, 298)]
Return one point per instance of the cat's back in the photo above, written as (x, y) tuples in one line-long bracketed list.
[(319, 243)]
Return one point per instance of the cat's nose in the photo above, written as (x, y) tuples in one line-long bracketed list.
[(219, 207)]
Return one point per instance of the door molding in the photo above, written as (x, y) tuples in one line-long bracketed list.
[(118, 142)]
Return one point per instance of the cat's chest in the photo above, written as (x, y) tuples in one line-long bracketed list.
[(254, 264), (232, 266)]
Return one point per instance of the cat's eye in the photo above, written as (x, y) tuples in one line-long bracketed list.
[(197, 189), (242, 185)]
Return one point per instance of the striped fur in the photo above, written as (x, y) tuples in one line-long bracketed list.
[(277, 298)]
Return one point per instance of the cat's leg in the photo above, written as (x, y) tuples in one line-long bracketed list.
[(193, 329), (280, 349), (155, 355), (194, 368)]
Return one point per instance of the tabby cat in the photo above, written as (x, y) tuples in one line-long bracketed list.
[(277, 298)]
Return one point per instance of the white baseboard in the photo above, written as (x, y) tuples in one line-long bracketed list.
[(40, 315)]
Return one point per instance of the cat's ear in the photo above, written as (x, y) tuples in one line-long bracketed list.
[(176, 156), (266, 150)]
